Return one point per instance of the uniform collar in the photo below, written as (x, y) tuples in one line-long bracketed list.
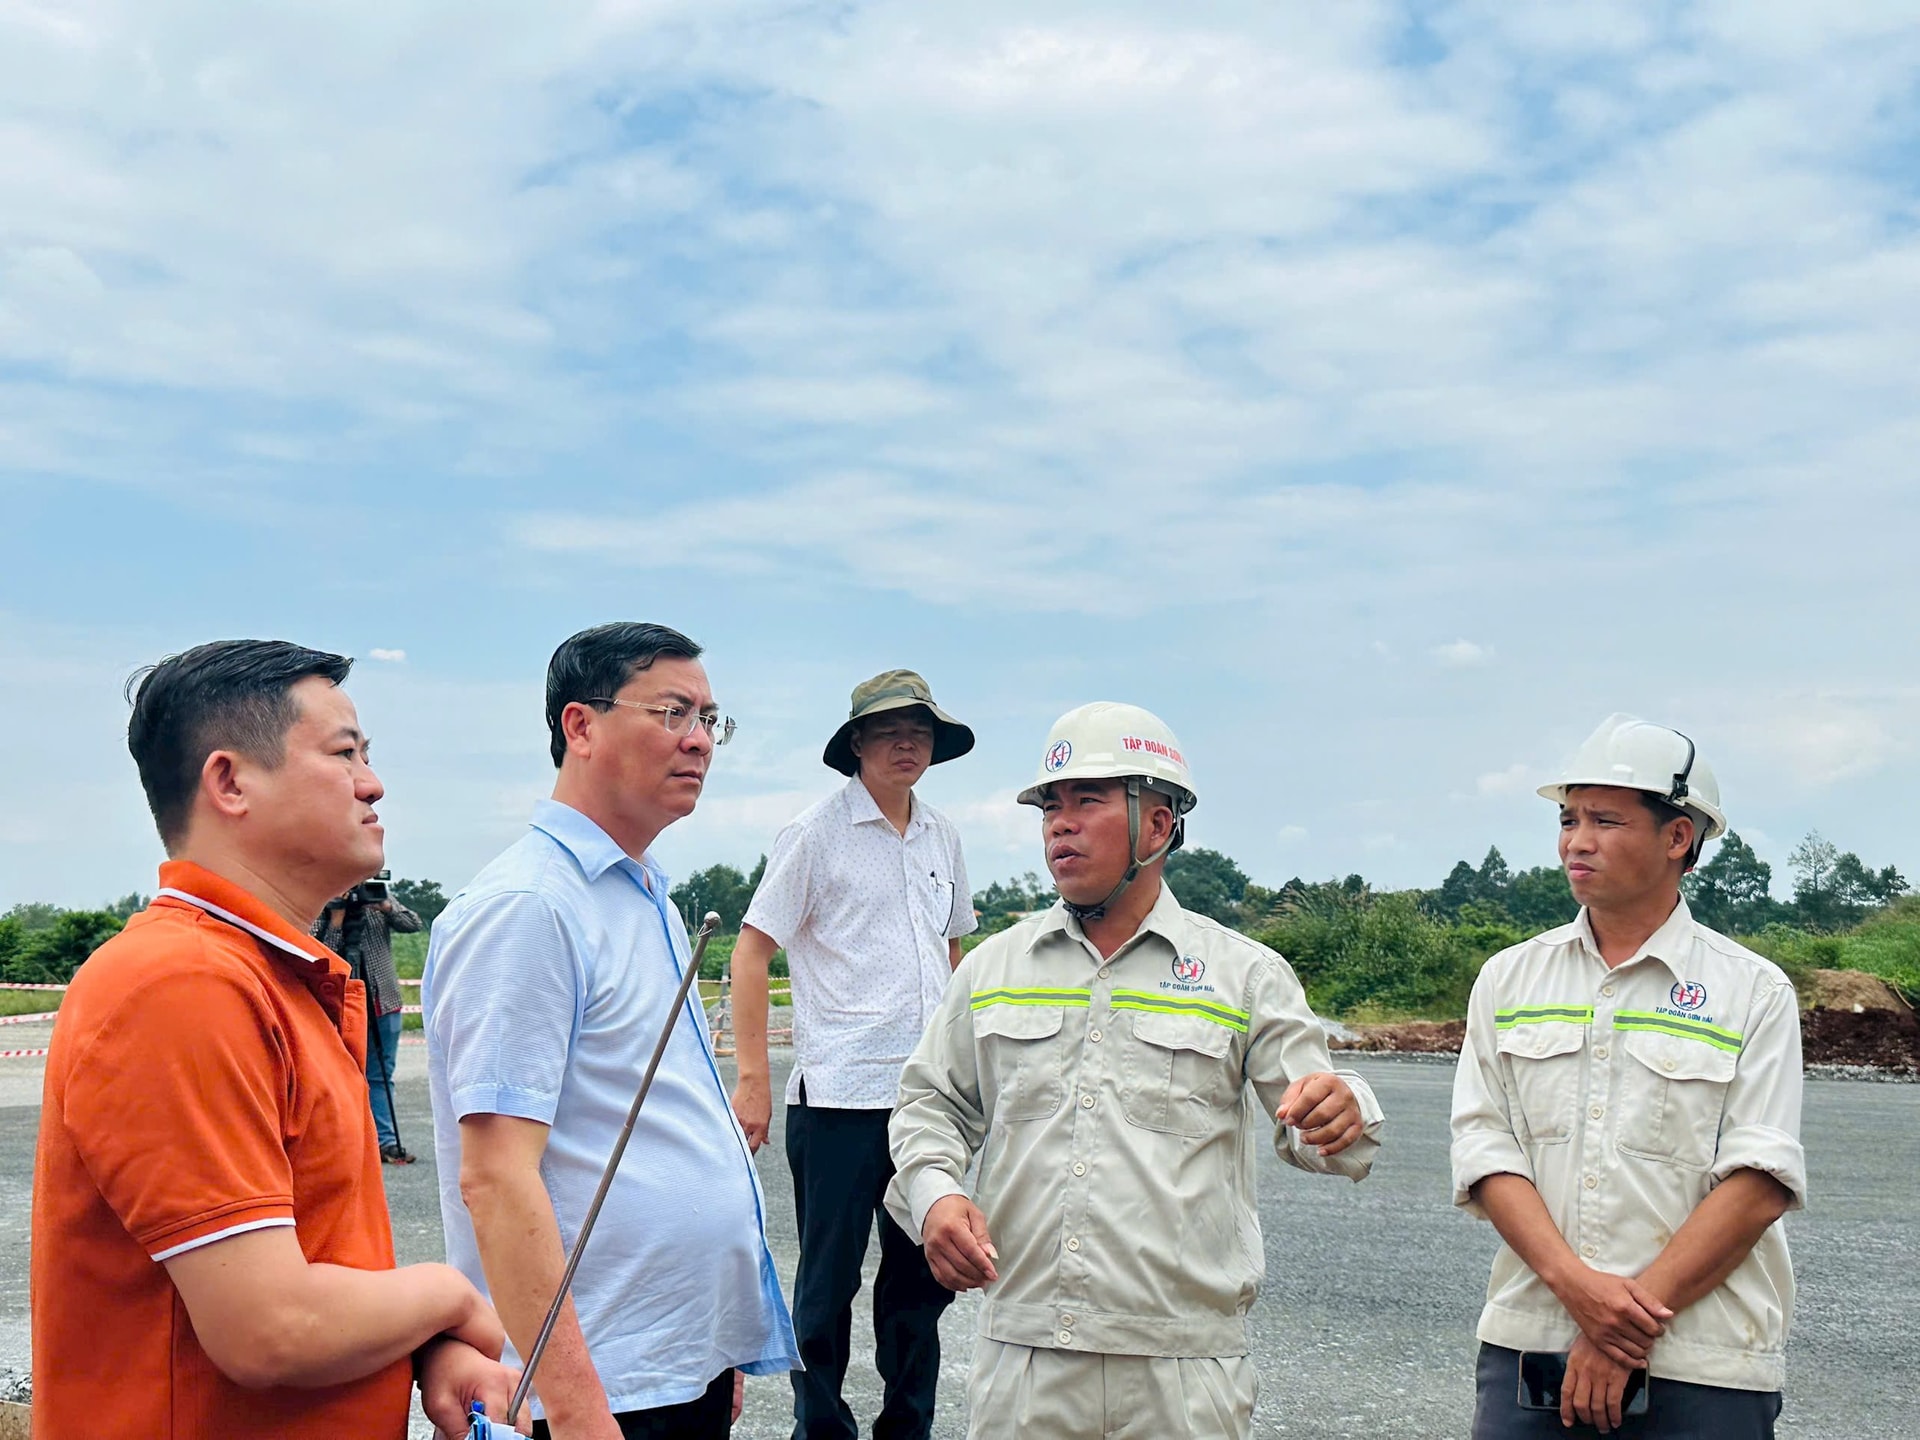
[(184, 883), (593, 850), (1166, 919), (863, 809), (1669, 944)]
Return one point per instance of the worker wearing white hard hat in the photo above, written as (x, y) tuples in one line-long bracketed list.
[(1627, 1113), (1105, 1061)]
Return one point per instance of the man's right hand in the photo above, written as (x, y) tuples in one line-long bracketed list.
[(1617, 1313), (753, 1108), (959, 1251)]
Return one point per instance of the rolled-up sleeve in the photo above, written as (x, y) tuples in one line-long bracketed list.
[(1760, 1126), (1285, 1041), (1483, 1139), (938, 1121)]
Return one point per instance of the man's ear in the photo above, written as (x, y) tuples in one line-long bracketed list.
[(576, 724), (223, 785), (1160, 823), (1680, 835)]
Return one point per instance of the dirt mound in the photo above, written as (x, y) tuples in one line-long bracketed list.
[(1855, 990), (1886, 1039), (1428, 1037)]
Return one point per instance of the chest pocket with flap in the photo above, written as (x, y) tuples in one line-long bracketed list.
[(1178, 1069), (1673, 1093), (1021, 1056), (1545, 1063)]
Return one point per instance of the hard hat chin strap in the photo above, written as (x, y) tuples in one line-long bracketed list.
[(1135, 864), (1677, 797)]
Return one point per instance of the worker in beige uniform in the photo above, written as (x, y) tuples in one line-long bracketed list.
[(1107, 1060), (1627, 1113)]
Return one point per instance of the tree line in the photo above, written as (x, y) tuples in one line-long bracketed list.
[(1355, 948)]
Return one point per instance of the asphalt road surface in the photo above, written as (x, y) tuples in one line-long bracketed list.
[(1365, 1325)]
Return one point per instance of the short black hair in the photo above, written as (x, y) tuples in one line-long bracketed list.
[(1665, 812), (224, 695), (590, 667)]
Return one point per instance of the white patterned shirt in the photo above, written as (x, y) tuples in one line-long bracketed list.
[(865, 914), (1625, 1095)]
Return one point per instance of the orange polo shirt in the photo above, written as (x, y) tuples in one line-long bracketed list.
[(206, 1078)]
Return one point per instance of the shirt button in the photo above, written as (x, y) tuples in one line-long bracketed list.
[(1094, 1036), (1066, 1337), (1596, 1111), (1588, 1251), (1079, 1167), (1606, 990), (1593, 1182), (1666, 1064), (1105, 970), (1066, 1322), (1086, 1102), (1599, 1052), (1073, 1242)]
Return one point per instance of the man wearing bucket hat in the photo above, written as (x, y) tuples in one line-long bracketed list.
[(1103, 1060), (867, 891), (1627, 1113)]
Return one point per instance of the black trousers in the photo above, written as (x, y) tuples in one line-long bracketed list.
[(840, 1173), (709, 1417), (1676, 1409)]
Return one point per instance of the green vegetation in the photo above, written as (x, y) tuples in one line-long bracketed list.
[(43, 945), (1361, 953)]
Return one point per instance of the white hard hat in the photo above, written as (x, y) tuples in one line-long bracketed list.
[(1108, 741), (1636, 754), (1105, 741)]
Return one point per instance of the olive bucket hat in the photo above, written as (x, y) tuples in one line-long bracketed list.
[(896, 690)]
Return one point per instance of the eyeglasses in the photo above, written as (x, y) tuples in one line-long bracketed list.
[(678, 719)]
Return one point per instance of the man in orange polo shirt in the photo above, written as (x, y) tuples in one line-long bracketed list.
[(211, 1249)]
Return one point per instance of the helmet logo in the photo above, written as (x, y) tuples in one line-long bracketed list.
[(1061, 752), (1189, 968), (1689, 994)]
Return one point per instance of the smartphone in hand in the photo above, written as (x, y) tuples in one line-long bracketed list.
[(1544, 1372)]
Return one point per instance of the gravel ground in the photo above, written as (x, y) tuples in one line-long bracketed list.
[(1365, 1326)]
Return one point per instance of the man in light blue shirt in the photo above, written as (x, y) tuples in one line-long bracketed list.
[(547, 982)]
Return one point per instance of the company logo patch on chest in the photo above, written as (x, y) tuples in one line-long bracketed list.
[(1189, 968), (1688, 995)]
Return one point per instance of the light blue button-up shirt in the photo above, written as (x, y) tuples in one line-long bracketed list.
[(546, 985)]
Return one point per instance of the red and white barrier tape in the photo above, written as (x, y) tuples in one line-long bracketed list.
[(39, 1019), (22, 1054), (23, 985)]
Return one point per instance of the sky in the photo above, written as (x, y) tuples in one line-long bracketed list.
[(1380, 393)]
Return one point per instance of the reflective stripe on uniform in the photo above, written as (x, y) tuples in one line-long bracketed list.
[(1674, 1025), (1030, 995), (1543, 1015), (1161, 1004)]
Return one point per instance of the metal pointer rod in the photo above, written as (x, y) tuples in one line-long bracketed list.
[(707, 927)]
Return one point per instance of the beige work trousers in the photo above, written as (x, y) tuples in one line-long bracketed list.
[(1018, 1391)]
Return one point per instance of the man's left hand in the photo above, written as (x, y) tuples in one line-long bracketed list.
[(1594, 1388), (739, 1395), (1324, 1109), (453, 1375)]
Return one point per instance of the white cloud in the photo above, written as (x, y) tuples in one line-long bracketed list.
[(1462, 654), (1041, 339), (391, 657), (1516, 779)]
